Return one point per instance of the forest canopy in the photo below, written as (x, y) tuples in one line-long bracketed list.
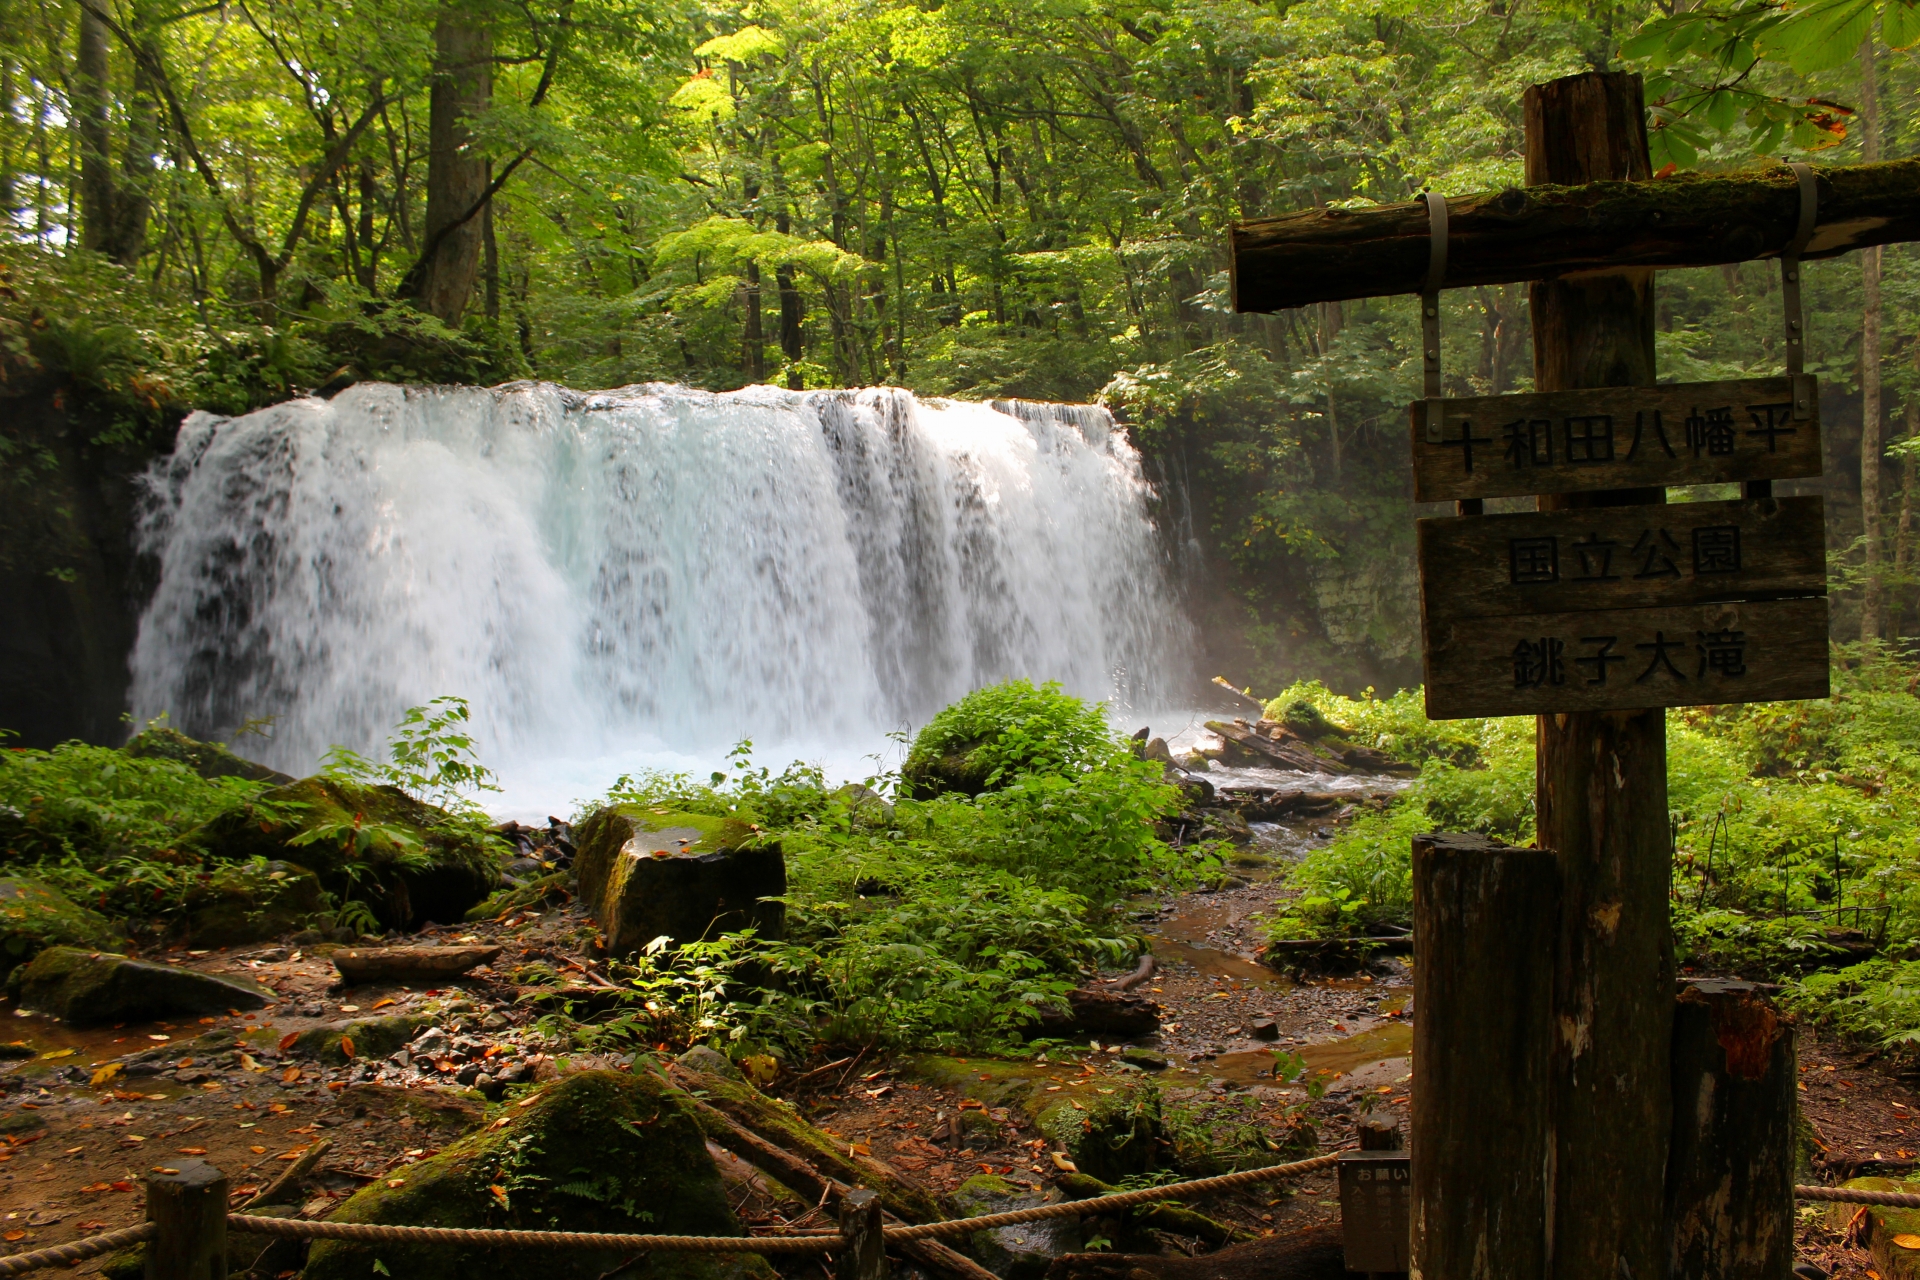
[(219, 205)]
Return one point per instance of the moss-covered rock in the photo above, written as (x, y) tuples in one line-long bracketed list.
[(648, 873), (598, 1151), (1892, 1260), (34, 917), (208, 759), (1110, 1136), (99, 986), (461, 868), (1024, 1250), (369, 1037), (995, 734), (782, 1126), (252, 902)]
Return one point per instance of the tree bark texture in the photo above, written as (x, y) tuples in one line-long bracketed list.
[(99, 207), (1485, 920), (1549, 231), (1601, 777), (187, 1205), (1730, 1171), (456, 168), (1872, 432)]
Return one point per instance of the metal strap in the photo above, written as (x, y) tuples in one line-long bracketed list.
[(1790, 289), (1430, 309)]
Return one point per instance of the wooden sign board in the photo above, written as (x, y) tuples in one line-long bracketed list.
[(1617, 438), (1625, 659), (1531, 562)]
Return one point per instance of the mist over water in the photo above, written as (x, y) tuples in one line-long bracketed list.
[(638, 578)]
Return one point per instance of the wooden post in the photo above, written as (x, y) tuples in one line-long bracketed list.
[(1601, 781), (187, 1205), (1379, 1131), (864, 1256), (1730, 1171), (1485, 925)]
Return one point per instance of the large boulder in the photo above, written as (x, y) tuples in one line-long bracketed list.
[(251, 902), (647, 874), (34, 917), (99, 986), (208, 759), (1024, 1250), (599, 1151), (455, 869)]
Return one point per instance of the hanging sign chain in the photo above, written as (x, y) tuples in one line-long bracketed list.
[(1430, 309), (1790, 270)]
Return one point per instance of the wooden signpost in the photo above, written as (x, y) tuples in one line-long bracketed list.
[(1593, 613)]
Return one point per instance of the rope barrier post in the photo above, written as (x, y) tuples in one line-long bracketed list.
[(864, 1256), (1485, 925), (187, 1205), (1730, 1164)]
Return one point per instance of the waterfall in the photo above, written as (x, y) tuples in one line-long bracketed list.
[(648, 569)]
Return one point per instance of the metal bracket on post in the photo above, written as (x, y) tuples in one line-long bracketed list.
[(1430, 311), (1790, 289)]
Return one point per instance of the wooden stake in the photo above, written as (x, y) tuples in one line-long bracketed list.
[(1601, 777), (187, 1205), (1484, 917), (1730, 1173), (864, 1256)]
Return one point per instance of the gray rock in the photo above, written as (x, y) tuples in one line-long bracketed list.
[(100, 986), (1023, 1251), (682, 876), (701, 1058)]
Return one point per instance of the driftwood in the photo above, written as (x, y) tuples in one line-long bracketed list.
[(1547, 232), (1313, 1254), (409, 964), (804, 1179), (1140, 974), (291, 1176)]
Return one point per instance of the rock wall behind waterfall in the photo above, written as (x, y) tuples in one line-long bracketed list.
[(653, 562)]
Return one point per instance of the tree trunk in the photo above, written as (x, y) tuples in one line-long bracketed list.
[(1872, 435), (490, 260), (98, 207), (1601, 777), (456, 170), (1730, 1176), (1909, 478), (133, 202), (1485, 924)]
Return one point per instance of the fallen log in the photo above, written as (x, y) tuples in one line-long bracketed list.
[(1546, 232), (1170, 1218), (409, 964), (1313, 1254), (798, 1176), (290, 1176), (1140, 974), (1247, 744)]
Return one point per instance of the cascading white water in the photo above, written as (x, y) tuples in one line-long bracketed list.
[(650, 570)]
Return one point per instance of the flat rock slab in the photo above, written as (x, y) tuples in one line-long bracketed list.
[(399, 964), (99, 986)]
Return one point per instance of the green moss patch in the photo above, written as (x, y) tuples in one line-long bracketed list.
[(370, 1037), (34, 917)]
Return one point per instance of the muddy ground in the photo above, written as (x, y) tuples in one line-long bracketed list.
[(76, 1151)]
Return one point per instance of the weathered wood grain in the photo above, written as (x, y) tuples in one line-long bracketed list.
[(1625, 659), (1486, 920), (1621, 557), (1618, 437), (1545, 231)]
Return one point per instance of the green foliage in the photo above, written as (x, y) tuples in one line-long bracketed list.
[(430, 757), (1005, 730), (950, 921), (103, 826)]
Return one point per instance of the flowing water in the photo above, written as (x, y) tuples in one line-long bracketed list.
[(640, 577)]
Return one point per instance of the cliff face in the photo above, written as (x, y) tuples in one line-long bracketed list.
[(71, 585)]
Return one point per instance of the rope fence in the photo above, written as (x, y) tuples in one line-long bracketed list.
[(302, 1229)]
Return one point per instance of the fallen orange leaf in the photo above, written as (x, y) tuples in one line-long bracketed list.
[(16, 1235), (193, 1151), (1907, 1240), (346, 1046), (258, 1150), (381, 1004), (290, 1074), (286, 1041)]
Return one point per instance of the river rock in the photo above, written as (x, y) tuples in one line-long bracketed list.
[(208, 759), (371, 1038), (460, 870), (1024, 1250), (99, 986), (34, 917), (684, 876), (597, 1151), (252, 902)]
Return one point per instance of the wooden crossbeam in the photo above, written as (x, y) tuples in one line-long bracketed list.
[(1548, 232)]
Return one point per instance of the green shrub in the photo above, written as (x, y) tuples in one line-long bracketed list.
[(998, 733)]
